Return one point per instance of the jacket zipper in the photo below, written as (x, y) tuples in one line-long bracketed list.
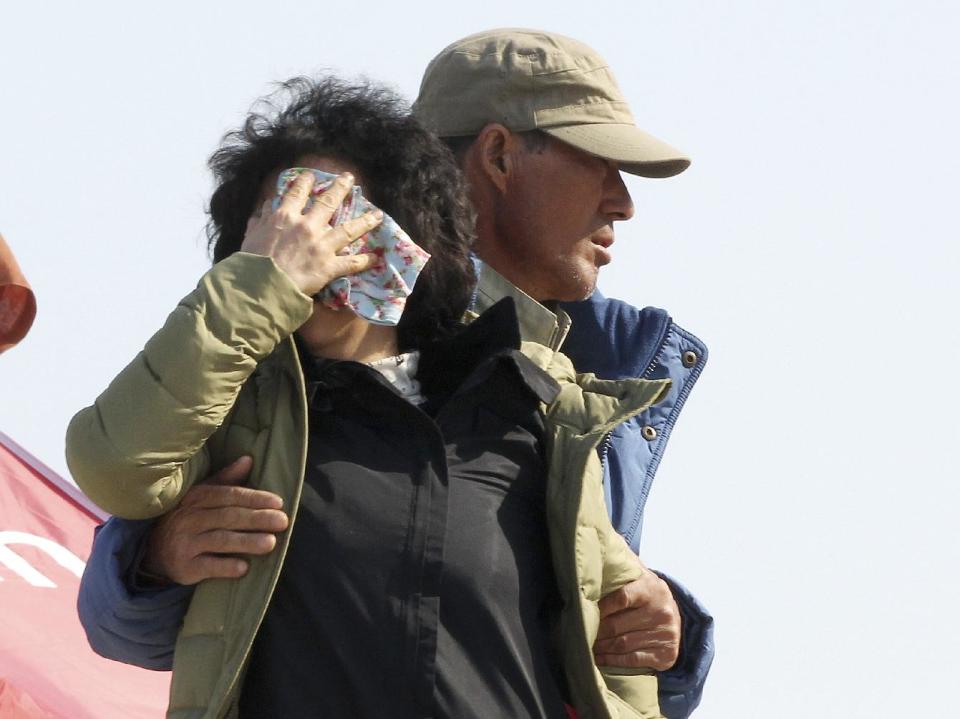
[(605, 450), (661, 344)]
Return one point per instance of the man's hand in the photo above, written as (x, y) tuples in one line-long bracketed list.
[(215, 521), (639, 626)]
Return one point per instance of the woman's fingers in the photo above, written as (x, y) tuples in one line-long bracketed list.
[(325, 204), (295, 198), (351, 230), (345, 265)]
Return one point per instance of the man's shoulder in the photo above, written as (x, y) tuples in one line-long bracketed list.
[(612, 338)]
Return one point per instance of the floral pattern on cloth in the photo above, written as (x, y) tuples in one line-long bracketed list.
[(379, 294)]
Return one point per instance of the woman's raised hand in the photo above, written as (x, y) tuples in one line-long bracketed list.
[(303, 244)]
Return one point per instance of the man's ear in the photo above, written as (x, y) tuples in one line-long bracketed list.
[(494, 153)]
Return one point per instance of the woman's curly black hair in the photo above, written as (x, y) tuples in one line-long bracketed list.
[(407, 171)]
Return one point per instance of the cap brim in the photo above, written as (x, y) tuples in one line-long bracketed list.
[(636, 151)]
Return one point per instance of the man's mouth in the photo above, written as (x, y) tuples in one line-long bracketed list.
[(602, 243), (604, 239)]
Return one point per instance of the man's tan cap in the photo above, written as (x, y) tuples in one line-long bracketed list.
[(535, 80)]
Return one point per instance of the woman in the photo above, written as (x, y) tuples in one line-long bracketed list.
[(422, 472)]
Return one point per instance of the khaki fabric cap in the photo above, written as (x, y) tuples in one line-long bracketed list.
[(535, 80)]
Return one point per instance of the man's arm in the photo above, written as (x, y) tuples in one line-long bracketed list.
[(126, 623), (651, 622), (681, 686), (136, 588)]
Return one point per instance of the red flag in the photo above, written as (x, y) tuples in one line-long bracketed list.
[(47, 670)]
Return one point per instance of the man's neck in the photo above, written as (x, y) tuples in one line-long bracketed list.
[(546, 326)]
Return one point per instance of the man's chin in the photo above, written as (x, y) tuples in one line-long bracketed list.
[(584, 289), (587, 279)]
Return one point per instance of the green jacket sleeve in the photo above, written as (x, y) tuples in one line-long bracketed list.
[(142, 443), (595, 560), (637, 688)]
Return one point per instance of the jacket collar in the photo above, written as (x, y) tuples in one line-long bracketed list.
[(537, 322), (593, 406), (451, 364)]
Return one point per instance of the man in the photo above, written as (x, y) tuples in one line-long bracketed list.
[(542, 132)]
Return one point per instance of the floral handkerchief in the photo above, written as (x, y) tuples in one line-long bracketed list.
[(378, 295)]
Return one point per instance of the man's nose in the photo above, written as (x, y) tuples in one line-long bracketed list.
[(617, 203)]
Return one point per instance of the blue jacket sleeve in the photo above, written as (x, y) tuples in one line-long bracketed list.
[(681, 686), (122, 622)]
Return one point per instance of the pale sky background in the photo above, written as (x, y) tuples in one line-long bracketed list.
[(810, 492)]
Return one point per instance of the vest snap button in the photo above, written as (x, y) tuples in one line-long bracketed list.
[(689, 358), (649, 433)]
